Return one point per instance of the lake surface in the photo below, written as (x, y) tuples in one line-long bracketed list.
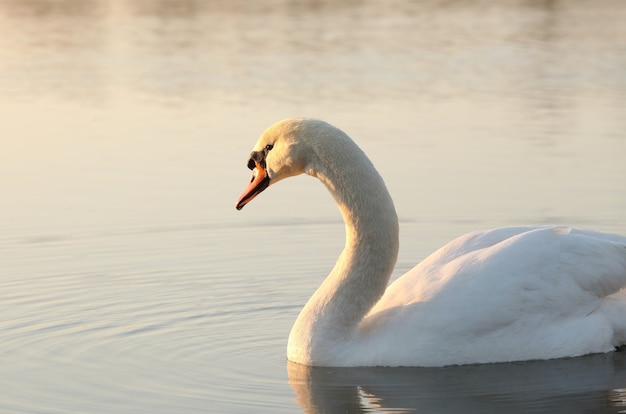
[(129, 282)]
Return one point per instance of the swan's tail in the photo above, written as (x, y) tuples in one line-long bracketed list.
[(614, 307)]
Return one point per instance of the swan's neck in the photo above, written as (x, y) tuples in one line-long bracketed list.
[(331, 318)]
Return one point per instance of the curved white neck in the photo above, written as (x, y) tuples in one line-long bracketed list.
[(332, 315)]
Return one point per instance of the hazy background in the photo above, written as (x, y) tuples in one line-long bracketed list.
[(127, 278)]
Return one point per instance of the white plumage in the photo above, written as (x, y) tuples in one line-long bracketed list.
[(508, 294)]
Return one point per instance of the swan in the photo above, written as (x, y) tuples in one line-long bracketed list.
[(509, 294)]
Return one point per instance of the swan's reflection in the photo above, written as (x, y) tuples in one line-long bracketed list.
[(577, 385)]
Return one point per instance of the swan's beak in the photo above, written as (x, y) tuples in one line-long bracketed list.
[(260, 181)]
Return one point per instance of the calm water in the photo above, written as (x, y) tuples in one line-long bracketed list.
[(129, 283)]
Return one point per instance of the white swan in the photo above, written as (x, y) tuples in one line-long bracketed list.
[(509, 294)]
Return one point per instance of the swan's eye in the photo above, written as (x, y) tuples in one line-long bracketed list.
[(269, 147)]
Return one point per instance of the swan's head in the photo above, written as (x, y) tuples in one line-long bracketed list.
[(285, 149)]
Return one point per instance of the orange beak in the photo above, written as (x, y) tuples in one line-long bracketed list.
[(260, 181)]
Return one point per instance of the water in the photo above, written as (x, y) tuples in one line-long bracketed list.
[(130, 283)]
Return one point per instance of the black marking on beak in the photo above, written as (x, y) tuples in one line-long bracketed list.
[(251, 164), (258, 157)]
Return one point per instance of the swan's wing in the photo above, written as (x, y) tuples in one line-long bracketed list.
[(509, 294), (546, 265)]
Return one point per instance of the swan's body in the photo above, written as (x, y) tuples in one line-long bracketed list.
[(503, 295)]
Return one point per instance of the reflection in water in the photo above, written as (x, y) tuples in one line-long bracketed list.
[(569, 386)]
